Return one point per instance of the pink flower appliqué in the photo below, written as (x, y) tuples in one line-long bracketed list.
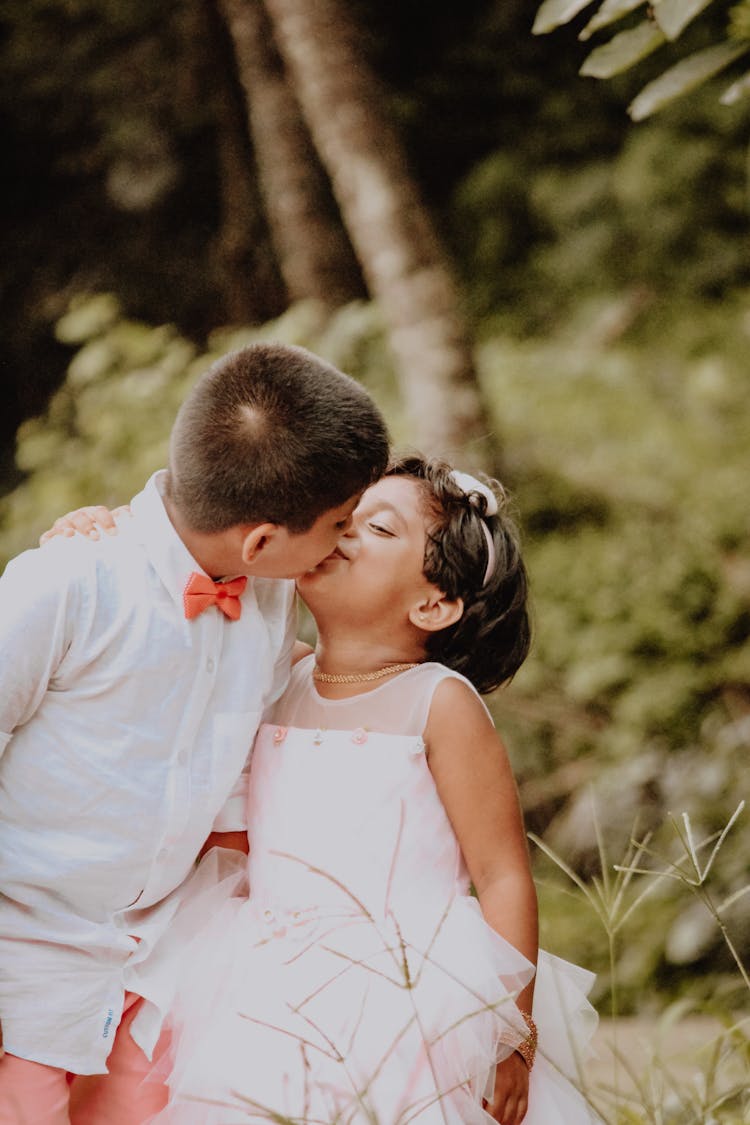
[(279, 735), (359, 737)]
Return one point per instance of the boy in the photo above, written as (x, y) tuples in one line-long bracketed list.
[(131, 686)]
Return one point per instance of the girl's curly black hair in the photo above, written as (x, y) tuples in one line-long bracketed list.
[(492, 638)]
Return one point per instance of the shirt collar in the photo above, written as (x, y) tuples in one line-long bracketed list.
[(165, 550)]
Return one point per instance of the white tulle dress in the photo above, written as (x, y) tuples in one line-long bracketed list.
[(358, 982)]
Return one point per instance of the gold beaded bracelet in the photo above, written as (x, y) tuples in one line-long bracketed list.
[(527, 1047)]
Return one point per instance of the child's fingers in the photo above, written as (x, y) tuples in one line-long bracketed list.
[(106, 519), (91, 520), (63, 525), (87, 521), (82, 520), (508, 1111), (54, 532), (510, 1100)]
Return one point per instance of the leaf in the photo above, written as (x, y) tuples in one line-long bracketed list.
[(739, 89), (673, 16), (610, 12), (689, 843), (554, 13), (626, 49), (87, 317), (727, 829), (684, 76), (592, 900), (731, 899)]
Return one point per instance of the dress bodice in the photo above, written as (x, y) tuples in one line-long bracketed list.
[(344, 814), (400, 705)]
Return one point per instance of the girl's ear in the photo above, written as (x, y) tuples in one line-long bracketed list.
[(438, 612)]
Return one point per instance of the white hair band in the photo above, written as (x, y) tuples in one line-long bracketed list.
[(471, 487), (490, 570)]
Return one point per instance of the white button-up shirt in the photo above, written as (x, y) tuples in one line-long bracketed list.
[(124, 732)]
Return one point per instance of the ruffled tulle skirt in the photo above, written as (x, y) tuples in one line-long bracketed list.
[(333, 1014)]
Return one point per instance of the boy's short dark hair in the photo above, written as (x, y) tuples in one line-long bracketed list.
[(273, 433)]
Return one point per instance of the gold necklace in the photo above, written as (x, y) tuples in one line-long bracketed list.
[(358, 677)]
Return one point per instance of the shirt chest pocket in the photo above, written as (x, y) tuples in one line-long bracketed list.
[(231, 743)]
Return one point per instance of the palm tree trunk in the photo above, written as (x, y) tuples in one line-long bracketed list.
[(314, 255), (395, 240)]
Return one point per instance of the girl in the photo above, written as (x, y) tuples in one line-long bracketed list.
[(360, 981)]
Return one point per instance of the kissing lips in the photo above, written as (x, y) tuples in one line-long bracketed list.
[(334, 556), (336, 553)]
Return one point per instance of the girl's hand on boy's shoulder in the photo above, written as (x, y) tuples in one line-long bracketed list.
[(511, 1097), (89, 521)]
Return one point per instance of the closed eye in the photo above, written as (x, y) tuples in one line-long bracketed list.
[(382, 530)]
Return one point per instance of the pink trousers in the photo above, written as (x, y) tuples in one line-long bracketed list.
[(34, 1094)]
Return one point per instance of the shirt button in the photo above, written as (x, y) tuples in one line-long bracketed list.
[(210, 665)]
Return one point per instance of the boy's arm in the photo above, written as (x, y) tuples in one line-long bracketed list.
[(35, 606), (38, 599)]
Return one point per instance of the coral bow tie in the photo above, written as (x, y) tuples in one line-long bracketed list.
[(201, 591)]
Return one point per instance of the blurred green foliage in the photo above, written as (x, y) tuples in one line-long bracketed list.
[(630, 462), (636, 33), (665, 214)]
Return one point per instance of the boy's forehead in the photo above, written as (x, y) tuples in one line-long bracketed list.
[(342, 510)]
